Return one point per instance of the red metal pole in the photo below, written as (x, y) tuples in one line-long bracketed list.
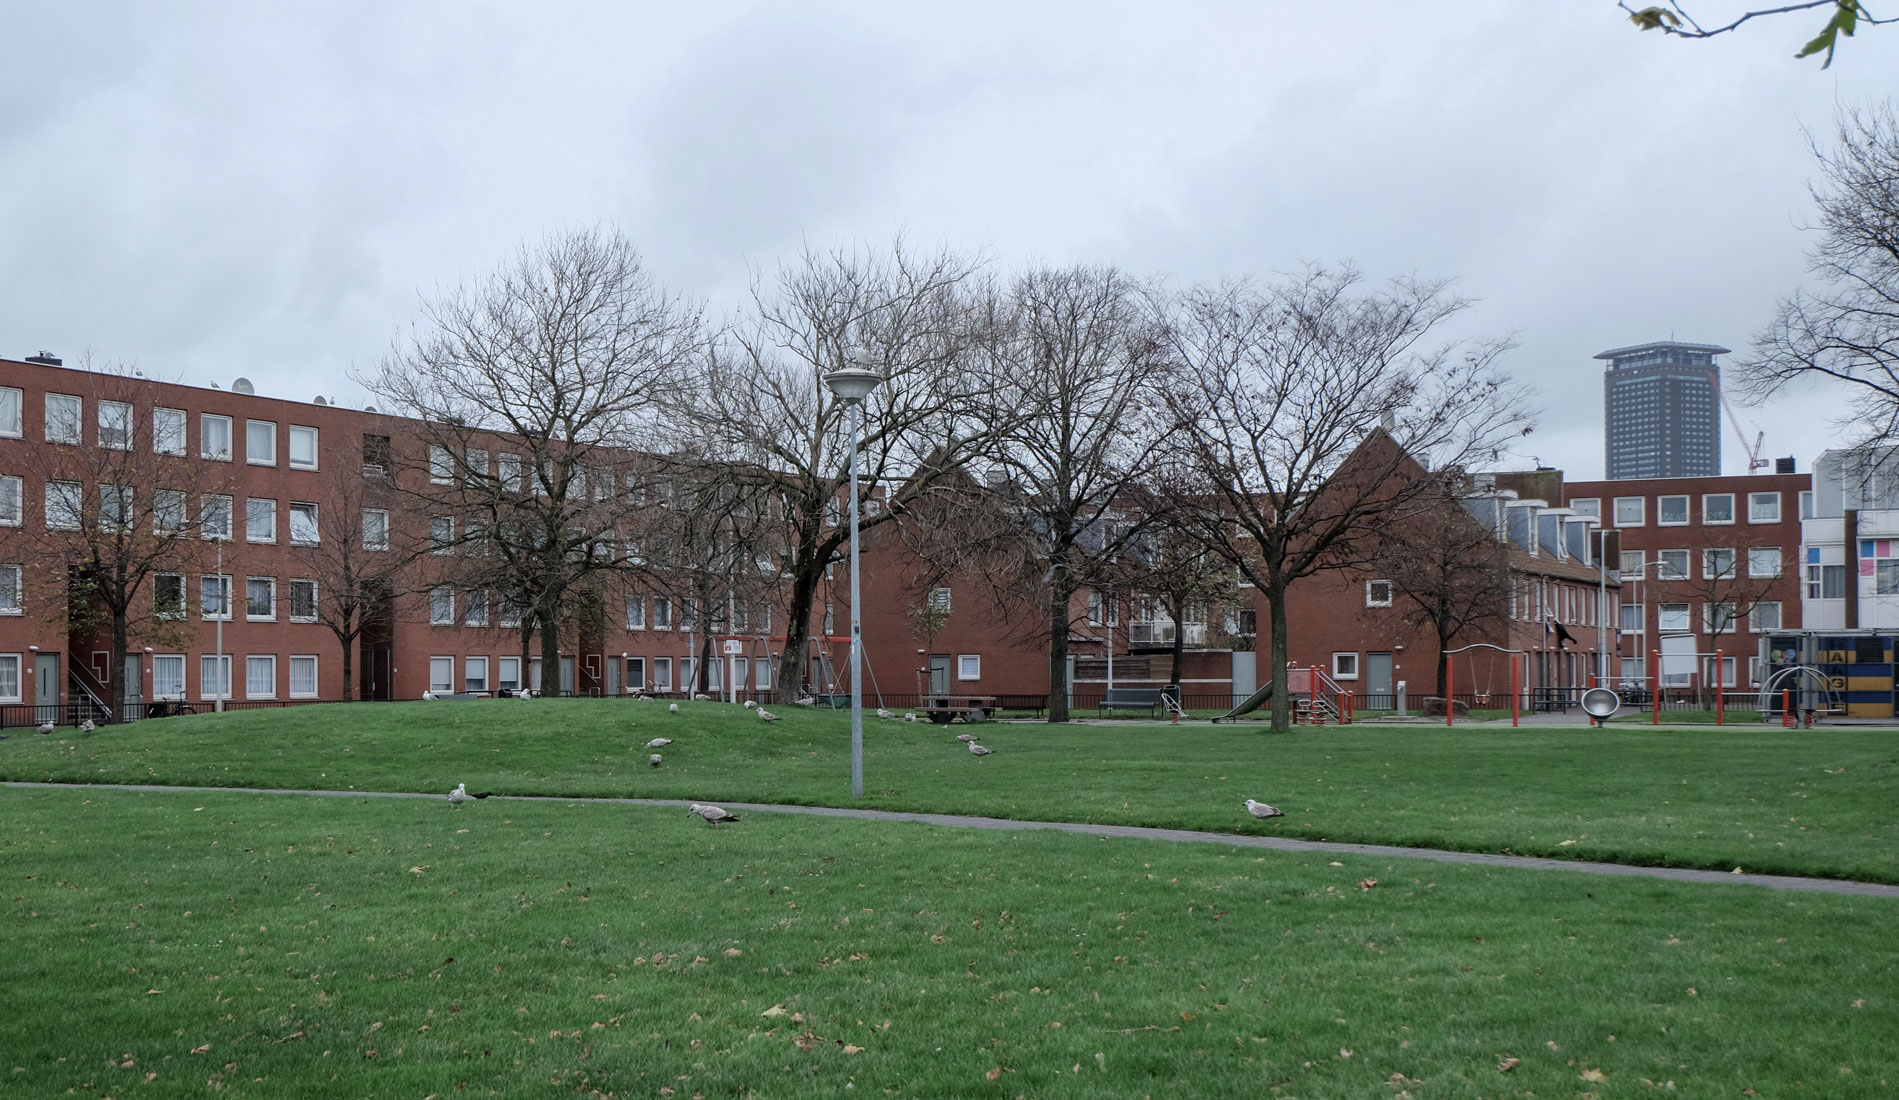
[(1655, 684), (1786, 708), (1450, 687), (1720, 681)]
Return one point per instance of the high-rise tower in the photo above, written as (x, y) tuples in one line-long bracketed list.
[(1661, 407)]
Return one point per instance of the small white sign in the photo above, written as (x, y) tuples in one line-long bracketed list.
[(734, 647)]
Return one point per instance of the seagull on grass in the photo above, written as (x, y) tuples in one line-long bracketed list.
[(978, 750), (672, 708), (884, 714), (659, 742), (767, 715), (749, 704), (460, 794), (966, 738), (712, 814), (45, 727), (910, 716), (807, 701), (1261, 809), (87, 726), (653, 760), (702, 697)]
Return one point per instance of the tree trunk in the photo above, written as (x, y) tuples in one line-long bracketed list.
[(549, 616), (1179, 612), (791, 663), (1282, 706), (349, 647), (1443, 673), (1059, 598), (527, 651), (121, 683)]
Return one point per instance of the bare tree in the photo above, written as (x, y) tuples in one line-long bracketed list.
[(1847, 329), (1843, 19), (1310, 405), (760, 407), (551, 368), (361, 560), (1449, 573), (1171, 562)]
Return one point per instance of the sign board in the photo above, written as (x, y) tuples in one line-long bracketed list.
[(732, 647)]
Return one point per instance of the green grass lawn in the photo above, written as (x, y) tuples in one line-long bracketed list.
[(1813, 802), (187, 944)]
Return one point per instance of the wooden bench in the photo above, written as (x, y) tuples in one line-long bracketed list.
[(1148, 699), (945, 709)]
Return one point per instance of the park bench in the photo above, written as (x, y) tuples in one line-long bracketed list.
[(945, 709), (1148, 699)]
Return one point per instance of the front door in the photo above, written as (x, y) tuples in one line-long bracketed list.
[(566, 676), (613, 677), (1378, 684), (939, 674), (46, 687), (134, 687)]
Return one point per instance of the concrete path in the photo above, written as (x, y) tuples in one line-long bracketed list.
[(1132, 832)]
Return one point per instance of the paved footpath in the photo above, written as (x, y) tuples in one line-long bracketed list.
[(1132, 832)]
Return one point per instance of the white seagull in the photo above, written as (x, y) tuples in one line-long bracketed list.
[(1261, 809), (965, 737), (460, 794), (978, 750), (807, 701), (46, 727), (702, 697), (653, 760), (910, 717), (712, 814), (884, 714), (659, 742), (749, 704), (87, 726), (767, 715), (672, 708)]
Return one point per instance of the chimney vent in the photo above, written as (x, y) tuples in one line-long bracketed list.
[(1784, 465), (45, 359)]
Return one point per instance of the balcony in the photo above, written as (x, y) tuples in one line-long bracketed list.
[(1161, 632)]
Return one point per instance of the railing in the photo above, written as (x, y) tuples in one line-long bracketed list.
[(81, 677), (1160, 631)]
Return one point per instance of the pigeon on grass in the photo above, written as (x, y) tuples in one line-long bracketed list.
[(712, 814), (659, 742), (1261, 809), (460, 794), (978, 750)]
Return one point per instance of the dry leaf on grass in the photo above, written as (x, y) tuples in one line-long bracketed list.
[(1508, 1064), (849, 1049), (205, 1049), (1594, 1075), (733, 952), (993, 1074), (775, 1010), (1367, 884)]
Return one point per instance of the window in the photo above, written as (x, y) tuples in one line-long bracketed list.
[(636, 490), (214, 513), (214, 676), (168, 511), (303, 676), (1674, 616), (477, 466), (1806, 504), (12, 501), (508, 674), (441, 534), (168, 676), (1246, 622), (168, 431), (1377, 593), (1587, 506), (1632, 563), (662, 674), (64, 414), (10, 585), (1763, 561), (1717, 508), (662, 613), (1628, 511), (260, 598), (375, 529), (940, 600), (10, 674), (1764, 616), (1717, 563), (214, 437), (303, 601), (12, 412), (1886, 577), (442, 606), (1718, 616), (475, 539), (214, 596), (475, 674), (1671, 511), (1631, 618), (969, 666), (1674, 565), (476, 607), (636, 613), (65, 505), (603, 481), (1826, 582), (115, 425), (115, 507), (441, 465), (1763, 507), (303, 524), (510, 466), (830, 619), (441, 674), (303, 448), (260, 520), (260, 677), (689, 613), (508, 613), (260, 442), (1345, 666), (168, 596)]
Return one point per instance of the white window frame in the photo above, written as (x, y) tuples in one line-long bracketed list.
[(315, 592), (968, 667), (224, 597), (256, 456), (441, 535), (442, 605), (1373, 599), (250, 534), (214, 662), (1684, 612), (1757, 570), (1587, 506), (251, 662), (376, 536), (469, 683), (636, 612), (1661, 510), (1631, 563), (305, 432), (1708, 572), (12, 687), (441, 465), (1707, 520), (173, 505), (1344, 666), (12, 589), (1632, 611), (508, 472), (1640, 510), (1726, 610), (183, 607), (270, 613), (12, 500), (940, 600), (475, 607), (662, 613), (1757, 498), (475, 466), (503, 680), (1806, 504), (314, 533), (65, 505), (205, 512), (168, 670), (115, 416), (1754, 617), (442, 673), (205, 420), (170, 429), (115, 507), (662, 674), (310, 662), (67, 425), (1668, 572), (12, 413)]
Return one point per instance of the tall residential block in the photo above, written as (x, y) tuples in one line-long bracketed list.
[(1662, 411)]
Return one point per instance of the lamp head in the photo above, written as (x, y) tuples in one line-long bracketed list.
[(853, 384)]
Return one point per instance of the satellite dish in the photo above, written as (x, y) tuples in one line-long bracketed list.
[(1600, 703), (242, 385), (320, 401)]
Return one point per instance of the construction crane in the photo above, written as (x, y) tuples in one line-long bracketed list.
[(1754, 459)]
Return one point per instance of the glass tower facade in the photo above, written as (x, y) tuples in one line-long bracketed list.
[(1661, 408)]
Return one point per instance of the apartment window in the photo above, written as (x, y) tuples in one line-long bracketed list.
[(9, 677), (1717, 563), (1345, 666), (260, 520), (662, 674), (1632, 563), (1674, 565), (1764, 616), (168, 676), (662, 613), (1717, 508), (260, 442), (214, 596), (303, 524), (1631, 618), (168, 595), (689, 613), (1675, 617), (168, 431), (115, 507), (969, 666), (303, 676), (603, 481), (441, 465), (115, 425), (214, 437), (1587, 506), (12, 501), (10, 589), (475, 612), (635, 675), (441, 534), (1671, 511), (12, 412), (1763, 507), (303, 601), (1629, 511), (1826, 582), (1377, 593), (303, 448), (260, 677), (475, 674), (830, 619), (375, 529), (940, 600), (508, 613), (475, 540), (1806, 504), (64, 415), (576, 483), (168, 511), (214, 676), (214, 513), (442, 606), (65, 505), (1718, 616), (510, 468), (508, 674), (636, 613), (441, 674), (260, 598), (761, 675), (1763, 561)]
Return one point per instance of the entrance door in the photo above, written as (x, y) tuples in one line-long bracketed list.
[(939, 674), (741, 676), (46, 687), (134, 687), (1378, 683), (566, 676), (613, 677)]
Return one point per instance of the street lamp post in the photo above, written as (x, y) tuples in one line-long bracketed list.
[(224, 612), (851, 385)]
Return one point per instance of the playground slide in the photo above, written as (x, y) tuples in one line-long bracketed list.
[(1253, 702)]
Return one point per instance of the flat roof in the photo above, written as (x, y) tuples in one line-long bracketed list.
[(1620, 353)]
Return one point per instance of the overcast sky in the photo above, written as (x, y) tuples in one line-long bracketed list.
[(214, 190)]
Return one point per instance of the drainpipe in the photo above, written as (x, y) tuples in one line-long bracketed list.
[(1851, 558)]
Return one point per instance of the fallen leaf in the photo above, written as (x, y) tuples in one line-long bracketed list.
[(1343, 1053), (1594, 1075), (205, 1049), (153, 992), (775, 1010), (1367, 884), (1508, 1064), (733, 952), (849, 1049), (993, 1074)]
